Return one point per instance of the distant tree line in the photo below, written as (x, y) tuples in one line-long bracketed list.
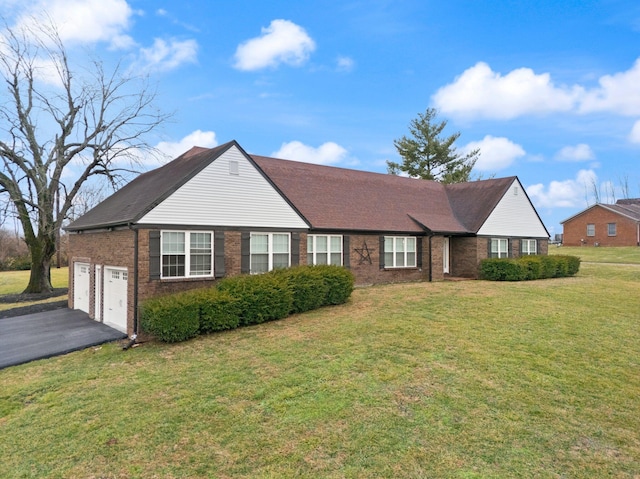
[(14, 253)]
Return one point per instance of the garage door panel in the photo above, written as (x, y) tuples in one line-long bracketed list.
[(115, 298), (81, 282)]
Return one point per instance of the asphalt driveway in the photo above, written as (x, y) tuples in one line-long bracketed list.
[(50, 333)]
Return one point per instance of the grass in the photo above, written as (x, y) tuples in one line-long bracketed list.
[(14, 282), (450, 380), (617, 254)]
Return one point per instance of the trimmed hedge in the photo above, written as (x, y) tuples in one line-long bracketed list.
[(317, 286), (244, 300), (529, 267), (171, 318), (340, 282), (263, 297), (218, 310), (308, 287)]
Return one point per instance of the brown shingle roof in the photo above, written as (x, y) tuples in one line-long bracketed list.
[(631, 210), (329, 198), (343, 199), (627, 208)]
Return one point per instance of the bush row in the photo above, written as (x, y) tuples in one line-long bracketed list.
[(529, 267), (244, 300), (16, 263)]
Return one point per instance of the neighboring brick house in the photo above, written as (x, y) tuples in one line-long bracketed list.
[(220, 212), (604, 225)]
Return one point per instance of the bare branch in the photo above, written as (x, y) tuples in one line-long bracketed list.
[(60, 130)]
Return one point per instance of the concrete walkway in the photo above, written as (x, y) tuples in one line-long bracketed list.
[(50, 333)]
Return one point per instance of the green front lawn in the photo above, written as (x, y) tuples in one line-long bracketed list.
[(601, 254), (466, 379)]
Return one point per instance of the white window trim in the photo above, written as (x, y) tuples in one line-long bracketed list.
[(406, 251), (499, 251), (615, 229), (593, 232), (529, 242), (270, 252), (329, 252), (187, 254)]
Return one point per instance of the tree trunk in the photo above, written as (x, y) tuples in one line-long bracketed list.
[(42, 251)]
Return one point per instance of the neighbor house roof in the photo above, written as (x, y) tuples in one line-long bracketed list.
[(329, 198), (629, 208)]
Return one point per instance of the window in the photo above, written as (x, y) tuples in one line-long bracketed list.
[(528, 246), (611, 229), (399, 252), (178, 262), (591, 229), (324, 249), (499, 248), (269, 251)]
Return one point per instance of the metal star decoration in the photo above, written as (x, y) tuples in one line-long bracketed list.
[(364, 253)]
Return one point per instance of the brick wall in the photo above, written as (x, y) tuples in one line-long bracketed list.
[(365, 263), (116, 249), (575, 230), (465, 253), (106, 248)]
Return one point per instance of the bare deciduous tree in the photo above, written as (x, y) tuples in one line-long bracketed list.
[(60, 127)]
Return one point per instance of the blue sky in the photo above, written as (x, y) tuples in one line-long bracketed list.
[(548, 90)]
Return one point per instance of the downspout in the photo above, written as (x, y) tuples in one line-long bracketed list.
[(638, 236), (132, 339), (430, 259)]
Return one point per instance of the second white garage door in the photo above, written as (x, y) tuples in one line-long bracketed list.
[(115, 297)]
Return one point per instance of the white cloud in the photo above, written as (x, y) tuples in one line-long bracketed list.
[(567, 193), (326, 154), (634, 136), (165, 56), (83, 21), (345, 64), (495, 153), (479, 91), (281, 42), (618, 93), (580, 152), (205, 139)]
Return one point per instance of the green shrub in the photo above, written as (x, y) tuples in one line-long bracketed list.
[(16, 263), (340, 282), (532, 266), (171, 318), (573, 264), (307, 285), (218, 309), (549, 267), (502, 269), (562, 266), (263, 297), (529, 267)]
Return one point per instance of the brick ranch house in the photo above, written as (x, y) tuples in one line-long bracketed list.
[(220, 212), (604, 225)]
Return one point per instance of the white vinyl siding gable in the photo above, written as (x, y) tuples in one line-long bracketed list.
[(514, 216), (228, 192)]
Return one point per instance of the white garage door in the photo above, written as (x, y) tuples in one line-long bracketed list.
[(81, 287), (115, 298)]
